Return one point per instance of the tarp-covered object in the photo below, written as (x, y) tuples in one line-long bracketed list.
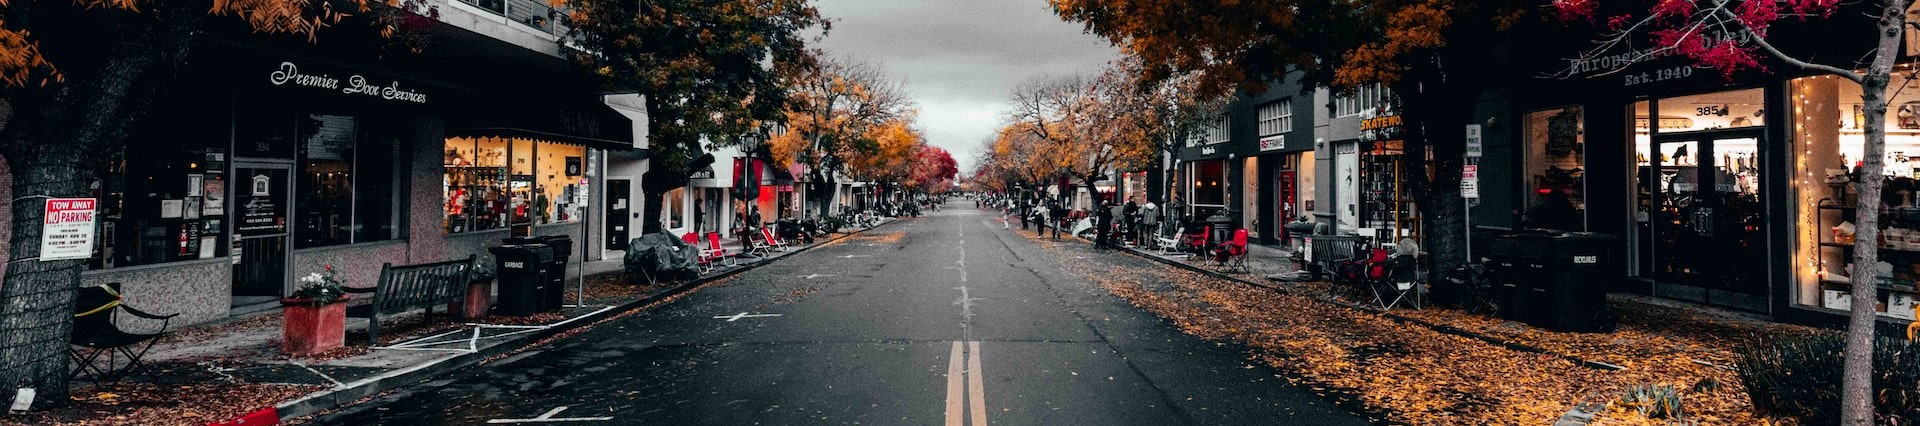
[(661, 257)]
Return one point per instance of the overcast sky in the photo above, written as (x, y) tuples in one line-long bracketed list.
[(961, 58)]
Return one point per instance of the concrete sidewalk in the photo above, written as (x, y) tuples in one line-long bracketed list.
[(245, 352)]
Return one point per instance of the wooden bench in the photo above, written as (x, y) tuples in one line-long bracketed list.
[(402, 289)]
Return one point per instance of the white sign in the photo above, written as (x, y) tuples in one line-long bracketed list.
[(288, 73), (1473, 141), (67, 231), (1273, 142), (1470, 181)]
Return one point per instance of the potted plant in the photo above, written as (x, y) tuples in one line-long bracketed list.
[(315, 318), (479, 295)]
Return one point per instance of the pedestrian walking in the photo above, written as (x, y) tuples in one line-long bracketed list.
[(1102, 224), (1059, 217)]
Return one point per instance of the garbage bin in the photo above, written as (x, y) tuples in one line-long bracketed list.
[(554, 294), (1510, 277), (521, 271), (1222, 226), (1574, 271)]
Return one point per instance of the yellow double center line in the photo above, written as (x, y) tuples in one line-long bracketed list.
[(970, 402)]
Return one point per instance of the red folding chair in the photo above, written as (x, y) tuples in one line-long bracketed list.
[(1232, 256), (705, 258), (772, 240), (716, 251), (1195, 244)]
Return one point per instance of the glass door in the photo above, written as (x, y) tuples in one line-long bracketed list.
[(1706, 218), (260, 197)]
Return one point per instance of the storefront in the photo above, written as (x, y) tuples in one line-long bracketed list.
[(1387, 211), (1280, 173), (270, 158), (1827, 143)]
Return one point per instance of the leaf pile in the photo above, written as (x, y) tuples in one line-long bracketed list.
[(1413, 374), (130, 403)]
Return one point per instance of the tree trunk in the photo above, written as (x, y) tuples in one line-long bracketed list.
[(53, 146), (1856, 390), (1436, 121)]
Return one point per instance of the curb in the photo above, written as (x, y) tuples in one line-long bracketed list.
[(1441, 328), (341, 397)]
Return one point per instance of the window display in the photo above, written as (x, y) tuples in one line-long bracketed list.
[(1556, 170), (1829, 143), (492, 183)]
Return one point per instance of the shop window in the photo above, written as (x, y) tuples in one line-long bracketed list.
[(1556, 170), (476, 182), (345, 182), (676, 202), (562, 189), (1361, 101), (1210, 183), (1829, 143), (162, 195)]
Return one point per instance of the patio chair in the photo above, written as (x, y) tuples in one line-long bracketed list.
[(755, 243), (1400, 282), (704, 257), (1233, 254), (1195, 244), (772, 240), (95, 333), (717, 252)]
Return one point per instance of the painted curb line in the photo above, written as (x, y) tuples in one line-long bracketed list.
[(363, 388)]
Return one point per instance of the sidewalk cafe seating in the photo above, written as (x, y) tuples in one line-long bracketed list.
[(1231, 256), (1399, 283), (402, 289), (774, 241), (95, 333)]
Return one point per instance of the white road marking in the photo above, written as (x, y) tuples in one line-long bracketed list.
[(549, 418), (850, 256), (812, 276), (737, 317)]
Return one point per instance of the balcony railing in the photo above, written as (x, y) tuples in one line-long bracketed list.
[(534, 14)]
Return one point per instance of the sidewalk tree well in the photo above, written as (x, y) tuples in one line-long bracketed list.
[(712, 72), (1731, 36), (75, 77), (1438, 56)]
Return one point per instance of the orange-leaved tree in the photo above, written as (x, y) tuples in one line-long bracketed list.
[(830, 114), (75, 75), (713, 71), (1438, 56), (889, 159)]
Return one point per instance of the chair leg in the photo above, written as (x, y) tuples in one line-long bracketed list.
[(373, 329), (95, 374)]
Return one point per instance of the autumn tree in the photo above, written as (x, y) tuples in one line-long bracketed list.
[(75, 75), (1731, 36), (890, 160), (1438, 56), (1166, 112), (1017, 157), (831, 114), (713, 70), (933, 169)]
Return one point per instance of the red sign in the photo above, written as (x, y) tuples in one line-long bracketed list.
[(67, 231)]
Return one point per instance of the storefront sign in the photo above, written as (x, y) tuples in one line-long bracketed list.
[(289, 74), (68, 229), (1473, 141), (262, 211), (1382, 122), (1208, 150), (1273, 142)]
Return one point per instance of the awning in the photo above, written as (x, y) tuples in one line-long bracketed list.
[(583, 120)]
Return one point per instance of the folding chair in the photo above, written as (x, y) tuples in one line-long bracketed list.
[(717, 252), (1400, 282), (705, 257), (774, 241), (755, 245), (94, 333), (1233, 254), (1195, 244)]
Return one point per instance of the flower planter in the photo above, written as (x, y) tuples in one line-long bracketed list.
[(477, 303), (308, 329)]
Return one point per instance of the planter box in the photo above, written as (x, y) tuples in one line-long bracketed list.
[(477, 303), (307, 329)]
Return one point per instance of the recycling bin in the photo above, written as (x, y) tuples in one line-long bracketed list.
[(1573, 272), (521, 274)]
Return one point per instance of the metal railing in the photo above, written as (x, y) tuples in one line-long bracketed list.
[(534, 14)]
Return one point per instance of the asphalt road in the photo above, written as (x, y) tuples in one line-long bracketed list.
[(944, 319)]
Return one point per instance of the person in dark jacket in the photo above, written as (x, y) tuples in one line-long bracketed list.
[(1102, 224), (1131, 222), (1059, 216)]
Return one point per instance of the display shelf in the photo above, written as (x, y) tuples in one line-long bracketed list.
[(1884, 284), (1883, 249)]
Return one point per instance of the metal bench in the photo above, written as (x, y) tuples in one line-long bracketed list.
[(402, 289)]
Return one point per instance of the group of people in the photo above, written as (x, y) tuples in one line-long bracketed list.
[(1113, 224)]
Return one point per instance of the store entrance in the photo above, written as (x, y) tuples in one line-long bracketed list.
[(1706, 222), (260, 198)]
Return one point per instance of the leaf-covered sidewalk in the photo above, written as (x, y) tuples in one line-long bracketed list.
[(1402, 372)]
